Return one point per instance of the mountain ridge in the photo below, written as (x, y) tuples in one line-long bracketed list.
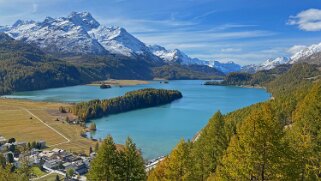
[(80, 34)]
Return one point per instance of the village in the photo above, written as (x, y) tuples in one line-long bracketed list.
[(58, 162), (67, 165)]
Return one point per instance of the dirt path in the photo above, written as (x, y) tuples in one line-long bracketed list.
[(47, 125), (67, 139)]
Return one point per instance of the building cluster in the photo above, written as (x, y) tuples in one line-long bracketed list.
[(50, 161), (61, 161)]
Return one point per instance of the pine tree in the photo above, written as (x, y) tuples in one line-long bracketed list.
[(133, 167), (176, 166), (304, 134), (257, 152), (104, 165), (210, 146)]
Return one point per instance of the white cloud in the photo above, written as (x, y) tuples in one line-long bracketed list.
[(231, 49), (296, 48), (308, 20)]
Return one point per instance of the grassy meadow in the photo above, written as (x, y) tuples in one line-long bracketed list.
[(17, 122)]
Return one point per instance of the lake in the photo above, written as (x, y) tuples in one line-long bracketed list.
[(157, 130)]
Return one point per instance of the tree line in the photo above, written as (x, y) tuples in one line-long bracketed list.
[(123, 164), (275, 140), (142, 98)]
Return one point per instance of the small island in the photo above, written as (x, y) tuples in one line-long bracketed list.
[(133, 100), (105, 86)]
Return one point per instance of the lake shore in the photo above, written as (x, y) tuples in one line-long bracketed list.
[(152, 129), (115, 82)]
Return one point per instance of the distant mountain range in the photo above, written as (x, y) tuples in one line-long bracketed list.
[(310, 54), (177, 56), (79, 34)]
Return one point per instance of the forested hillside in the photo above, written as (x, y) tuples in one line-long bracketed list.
[(186, 72), (275, 140), (142, 98), (24, 67), (259, 78)]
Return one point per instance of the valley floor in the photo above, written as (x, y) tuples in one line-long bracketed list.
[(29, 121)]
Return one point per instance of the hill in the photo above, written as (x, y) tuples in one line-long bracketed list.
[(24, 67), (259, 78), (275, 140)]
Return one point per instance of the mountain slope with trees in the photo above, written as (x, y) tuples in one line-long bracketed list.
[(273, 140), (25, 67)]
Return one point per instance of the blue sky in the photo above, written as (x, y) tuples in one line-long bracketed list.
[(244, 31)]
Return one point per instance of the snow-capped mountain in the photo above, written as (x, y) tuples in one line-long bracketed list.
[(272, 63), (177, 56), (225, 67), (79, 33), (251, 68), (65, 35), (174, 56), (306, 52), (118, 41), (3, 28), (266, 65)]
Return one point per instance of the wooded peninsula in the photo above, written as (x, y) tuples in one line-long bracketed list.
[(138, 99)]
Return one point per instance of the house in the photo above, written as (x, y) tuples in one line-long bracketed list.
[(79, 167), (51, 164), (71, 158), (67, 165), (47, 154), (34, 159)]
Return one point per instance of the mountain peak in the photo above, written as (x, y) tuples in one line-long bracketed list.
[(276, 61), (306, 52), (4, 37), (20, 22), (83, 19), (155, 48)]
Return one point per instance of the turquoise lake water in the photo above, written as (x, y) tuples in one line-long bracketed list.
[(157, 130)]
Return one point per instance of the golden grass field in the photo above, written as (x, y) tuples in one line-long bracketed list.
[(17, 122), (120, 82)]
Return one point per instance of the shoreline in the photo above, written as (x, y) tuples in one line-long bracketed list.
[(88, 138), (116, 82)]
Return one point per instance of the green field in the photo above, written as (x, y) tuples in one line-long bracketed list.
[(51, 177)]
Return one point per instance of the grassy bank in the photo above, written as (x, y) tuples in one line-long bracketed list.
[(31, 121)]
